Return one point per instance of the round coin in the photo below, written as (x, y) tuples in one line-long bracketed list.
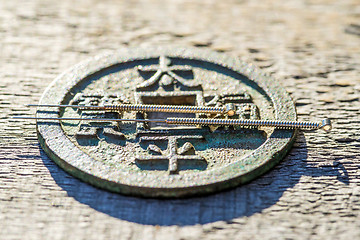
[(156, 159)]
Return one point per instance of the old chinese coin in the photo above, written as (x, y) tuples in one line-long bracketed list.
[(155, 159)]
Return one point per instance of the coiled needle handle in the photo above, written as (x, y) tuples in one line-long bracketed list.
[(324, 124)]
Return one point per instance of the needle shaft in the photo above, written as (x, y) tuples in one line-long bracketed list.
[(91, 119)]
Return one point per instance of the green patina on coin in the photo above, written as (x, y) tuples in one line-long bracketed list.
[(155, 159)]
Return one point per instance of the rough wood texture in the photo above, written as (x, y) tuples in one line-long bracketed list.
[(311, 47)]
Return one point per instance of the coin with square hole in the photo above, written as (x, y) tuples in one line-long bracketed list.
[(150, 158)]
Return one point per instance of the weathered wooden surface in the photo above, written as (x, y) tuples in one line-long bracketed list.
[(311, 47)]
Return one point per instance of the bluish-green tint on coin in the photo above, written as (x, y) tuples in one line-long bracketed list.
[(155, 159)]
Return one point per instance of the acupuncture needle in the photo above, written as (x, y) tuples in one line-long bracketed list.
[(228, 109), (325, 124)]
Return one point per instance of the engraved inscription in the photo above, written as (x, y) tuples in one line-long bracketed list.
[(165, 75), (245, 108), (164, 84), (91, 130), (173, 154)]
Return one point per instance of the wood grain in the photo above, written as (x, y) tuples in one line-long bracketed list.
[(311, 47)]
